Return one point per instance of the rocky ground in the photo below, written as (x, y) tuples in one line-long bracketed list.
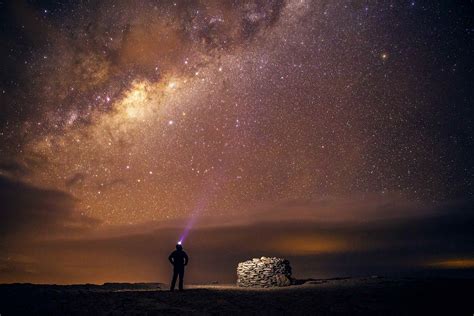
[(361, 296)]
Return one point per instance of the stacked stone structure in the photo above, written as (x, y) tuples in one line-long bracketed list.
[(264, 272)]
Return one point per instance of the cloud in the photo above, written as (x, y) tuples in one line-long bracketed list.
[(30, 217), (357, 241), (75, 179), (28, 210), (13, 168)]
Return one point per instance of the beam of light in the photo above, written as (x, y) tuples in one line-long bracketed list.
[(201, 205), (194, 215)]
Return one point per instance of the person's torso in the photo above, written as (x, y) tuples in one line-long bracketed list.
[(179, 257)]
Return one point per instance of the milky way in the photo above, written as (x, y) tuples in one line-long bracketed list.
[(148, 110)]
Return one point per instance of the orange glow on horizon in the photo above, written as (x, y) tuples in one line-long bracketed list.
[(458, 263), (303, 245)]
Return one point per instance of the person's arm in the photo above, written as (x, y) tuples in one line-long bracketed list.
[(186, 259), (170, 258)]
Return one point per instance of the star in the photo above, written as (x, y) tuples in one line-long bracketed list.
[(298, 108)]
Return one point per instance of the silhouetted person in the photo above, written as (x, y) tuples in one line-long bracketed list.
[(178, 259)]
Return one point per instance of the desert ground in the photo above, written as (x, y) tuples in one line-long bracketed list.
[(343, 296)]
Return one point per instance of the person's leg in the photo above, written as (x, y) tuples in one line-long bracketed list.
[(181, 281), (173, 281)]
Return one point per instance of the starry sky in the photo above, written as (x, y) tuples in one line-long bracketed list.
[(134, 116)]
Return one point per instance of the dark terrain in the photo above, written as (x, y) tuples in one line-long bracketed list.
[(361, 296)]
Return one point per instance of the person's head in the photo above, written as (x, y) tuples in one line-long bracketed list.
[(179, 247)]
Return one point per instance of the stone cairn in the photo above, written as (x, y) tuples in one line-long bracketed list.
[(264, 272)]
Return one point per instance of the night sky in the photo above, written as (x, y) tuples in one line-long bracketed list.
[(341, 130)]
